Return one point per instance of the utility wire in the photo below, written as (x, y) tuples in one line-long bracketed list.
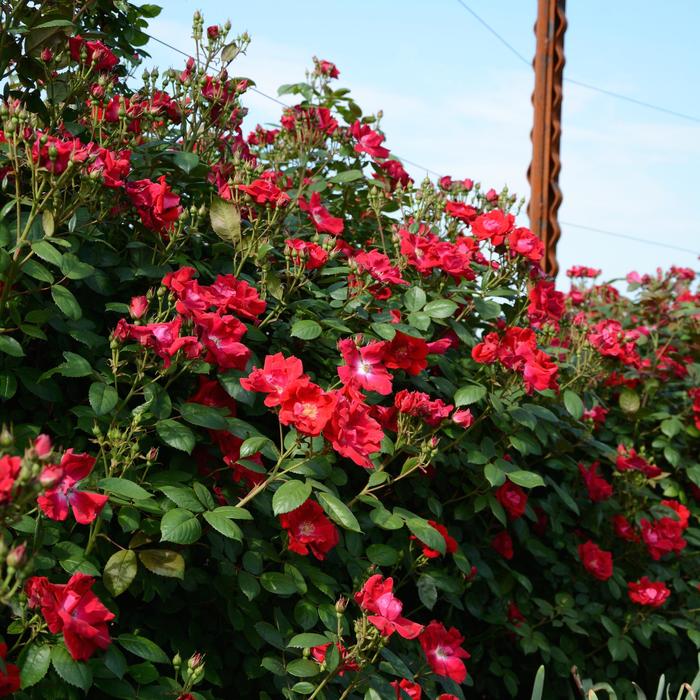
[(587, 86), (438, 175)]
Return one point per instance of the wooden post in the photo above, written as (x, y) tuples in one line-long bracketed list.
[(543, 174)]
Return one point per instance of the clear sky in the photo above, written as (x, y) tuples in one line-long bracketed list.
[(458, 102)]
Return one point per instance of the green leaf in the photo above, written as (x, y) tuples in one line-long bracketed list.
[(183, 496), (346, 176), (75, 269), (203, 416), (278, 583), (528, 480), (573, 404), (225, 220), (35, 664), (494, 474), (255, 444), (223, 525), (290, 496), (163, 562), (10, 346), (427, 534), (74, 366), (414, 299), (103, 398), (382, 555), (186, 161), (469, 394), (234, 512), (306, 640), (440, 308), (176, 435), (338, 511), (124, 488), (72, 672), (120, 570), (65, 301), (427, 591), (37, 271), (303, 668), (143, 648), (306, 330), (180, 526), (629, 400), (47, 252), (487, 309), (8, 385)]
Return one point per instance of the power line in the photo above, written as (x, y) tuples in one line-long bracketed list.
[(587, 86), (630, 238), (438, 175)]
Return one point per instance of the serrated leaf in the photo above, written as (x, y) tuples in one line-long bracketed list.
[(182, 496), (306, 330), (255, 444), (74, 366), (163, 562), (180, 526), (175, 434), (414, 299), (225, 220), (65, 301), (120, 570), (290, 496), (72, 672), (346, 176), (338, 511), (223, 525), (103, 398), (186, 161), (47, 252), (35, 664), (469, 394), (143, 648), (124, 488)]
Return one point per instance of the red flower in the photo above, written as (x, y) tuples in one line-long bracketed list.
[(515, 616), (663, 536), (310, 256), (680, 510), (277, 373), (138, 306), (220, 335), (546, 304), (628, 459), (265, 192), (486, 352), (320, 216), (327, 68), (376, 597), (597, 414), (9, 469), (320, 652), (368, 140), (442, 649), (493, 226), (463, 418), (97, 55), (54, 154), (523, 242), (512, 498), (9, 678), (539, 372), (156, 204), (460, 210), (598, 488), (56, 501), (646, 592), (306, 406), (450, 542), (420, 405), (379, 267), (406, 688), (595, 560), (352, 431), (73, 609), (406, 352), (503, 544), (364, 366), (309, 529), (113, 166), (624, 529), (395, 172), (163, 338)]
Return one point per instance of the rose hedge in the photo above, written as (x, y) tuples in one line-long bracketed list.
[(281, 422)]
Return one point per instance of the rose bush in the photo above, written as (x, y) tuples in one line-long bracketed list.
[(281, 422)]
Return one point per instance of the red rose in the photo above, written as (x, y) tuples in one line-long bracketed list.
[(156, 204), (96, 53), (309, 529), (277, 373), (305, 254), (595, 560), (306, 406), (503, 544), (406, 352), (450, 542), (364, 366), (377, 597), (9, 678), (624, 529), (443, 651), (646, 592), (320, 216), (407, 688), (512, 498), (493, 226), (598, 488), (368, 140), (9, 469), (73, 609)]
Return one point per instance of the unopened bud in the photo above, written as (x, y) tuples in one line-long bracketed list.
[(340, 605), (42, 446), (6, 437), (177, 661), (46, 55), (17, 556)]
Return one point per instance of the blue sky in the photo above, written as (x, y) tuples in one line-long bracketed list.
[(458, 102)]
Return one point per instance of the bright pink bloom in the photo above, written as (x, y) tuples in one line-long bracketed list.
[(463, 418), (327, 68), (376, 597), (73, 609), (443, 650), (645, 592), (523, 242), (56, 501), (512, 498), (163, 338), (309, 530), (378, 266), (364, 366), (595, 560), (320, 216)]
